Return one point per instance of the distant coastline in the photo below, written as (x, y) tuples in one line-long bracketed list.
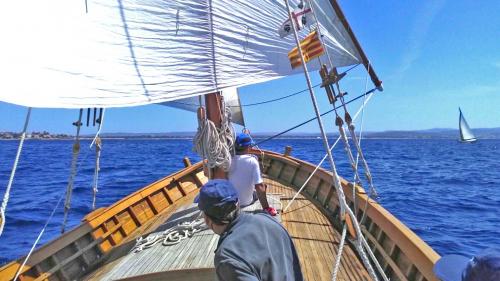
[(482, 133)]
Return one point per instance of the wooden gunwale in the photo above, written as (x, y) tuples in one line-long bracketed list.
[(420, 255), (107, 228), (113, 226)]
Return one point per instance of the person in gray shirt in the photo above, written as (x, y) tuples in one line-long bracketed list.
[(251, 247)]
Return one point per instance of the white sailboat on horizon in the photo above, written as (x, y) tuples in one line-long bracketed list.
[(466, 134)]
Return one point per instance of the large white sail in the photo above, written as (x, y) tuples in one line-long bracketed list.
[(134, 52), (466, 134)]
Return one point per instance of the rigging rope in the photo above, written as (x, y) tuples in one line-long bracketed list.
[(6, 196), (98, 142), (69, 189), (336, 180), (97, 168), (325, 156), (351, 128), (314, 118), (18, 272), (339, 254), (216, 144)]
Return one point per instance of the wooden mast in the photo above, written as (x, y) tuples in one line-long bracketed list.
[(355, 41), (213, 104)]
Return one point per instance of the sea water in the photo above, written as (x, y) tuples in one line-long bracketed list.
[(447, 192)]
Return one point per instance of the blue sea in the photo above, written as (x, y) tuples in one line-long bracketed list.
[(445, 191)]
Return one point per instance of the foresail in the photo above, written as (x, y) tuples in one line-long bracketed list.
[(135, 52), (465, 131)]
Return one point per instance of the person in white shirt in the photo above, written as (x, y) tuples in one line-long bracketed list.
[(245, 175)]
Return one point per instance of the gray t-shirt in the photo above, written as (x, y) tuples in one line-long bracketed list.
[(256, 247)]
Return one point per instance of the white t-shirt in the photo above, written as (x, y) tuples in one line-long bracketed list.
[(244, 174)]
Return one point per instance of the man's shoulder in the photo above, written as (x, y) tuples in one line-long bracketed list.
[(246, 158)]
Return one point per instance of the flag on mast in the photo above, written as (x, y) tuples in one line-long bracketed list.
[(311, 48), (302, 16)]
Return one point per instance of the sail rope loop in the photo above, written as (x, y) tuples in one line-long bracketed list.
[(69, 189), (6, 196), (98, 147), (216, 144)]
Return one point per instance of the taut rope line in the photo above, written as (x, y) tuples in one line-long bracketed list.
[(6, 196), (314, 118), (343, 204), (351, 128), (98, 147), (69, 189), (38, 238), (324, 158)]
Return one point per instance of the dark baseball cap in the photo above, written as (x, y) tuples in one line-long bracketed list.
[(217, 198), (483, 267)]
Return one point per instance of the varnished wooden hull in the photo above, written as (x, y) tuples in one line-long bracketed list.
[(402, 254)]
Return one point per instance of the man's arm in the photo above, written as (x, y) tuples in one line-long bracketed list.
[(260, 189), (233, 271)]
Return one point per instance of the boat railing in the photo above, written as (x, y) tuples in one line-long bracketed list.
[(402, 254)]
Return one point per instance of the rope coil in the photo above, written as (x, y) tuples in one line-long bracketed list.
[(171, 236), (215, 144)]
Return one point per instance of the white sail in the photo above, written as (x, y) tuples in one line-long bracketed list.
[(135, 52), (231, 100), (466, 134)]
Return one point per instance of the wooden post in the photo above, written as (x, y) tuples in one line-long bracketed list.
[(213, 103), (186, 161), (288, 150)]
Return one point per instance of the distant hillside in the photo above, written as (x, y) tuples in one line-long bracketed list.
[(484, 133)]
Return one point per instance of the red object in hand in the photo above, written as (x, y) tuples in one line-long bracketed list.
[(271, 211)]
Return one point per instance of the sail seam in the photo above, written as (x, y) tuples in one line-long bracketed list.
[(212, 44)]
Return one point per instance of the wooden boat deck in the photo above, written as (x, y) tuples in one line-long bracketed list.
[(314, 237), (316, 240)]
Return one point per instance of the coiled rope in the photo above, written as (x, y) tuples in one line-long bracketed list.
[(171, 236), (69, 189), (216, 144), (6, 196)]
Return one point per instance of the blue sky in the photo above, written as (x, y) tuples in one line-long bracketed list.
[(433, 56)]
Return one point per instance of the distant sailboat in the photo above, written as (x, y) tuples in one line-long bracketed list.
[(466, 134)]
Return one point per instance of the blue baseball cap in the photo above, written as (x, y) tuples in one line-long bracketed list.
[(244, 140), (217, 198), (483, 267)]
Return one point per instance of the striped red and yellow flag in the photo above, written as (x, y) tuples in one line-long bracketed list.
[(311, 48)]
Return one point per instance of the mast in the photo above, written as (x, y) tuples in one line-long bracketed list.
[(213, 104), (355, 41)]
